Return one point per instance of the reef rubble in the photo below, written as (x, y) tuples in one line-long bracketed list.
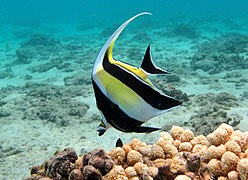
[(45, 102), (224, 53), (211, 110), (222, 154)]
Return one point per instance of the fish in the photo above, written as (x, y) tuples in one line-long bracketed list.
[(125, 97), (119, 143)]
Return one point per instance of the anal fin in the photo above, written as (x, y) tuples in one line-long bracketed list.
[(145, 129)]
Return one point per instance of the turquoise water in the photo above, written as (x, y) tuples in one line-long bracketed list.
[(48, 48), (34, 12)]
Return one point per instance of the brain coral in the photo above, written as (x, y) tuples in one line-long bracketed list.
[(220, 155)]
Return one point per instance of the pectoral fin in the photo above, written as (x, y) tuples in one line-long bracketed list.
[(148, 65)]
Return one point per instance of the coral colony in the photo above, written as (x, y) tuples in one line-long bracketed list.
[(180, 155)]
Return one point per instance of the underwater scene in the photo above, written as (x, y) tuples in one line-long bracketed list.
[(123, 90)]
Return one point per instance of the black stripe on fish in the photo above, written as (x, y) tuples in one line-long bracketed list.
[(138, 85), (116, 117)]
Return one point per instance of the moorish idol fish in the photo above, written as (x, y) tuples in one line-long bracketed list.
[(125, 96)]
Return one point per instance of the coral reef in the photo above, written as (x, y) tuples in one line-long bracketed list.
[(38, 45), (41, 40), (24, 55), (65, 56), (222, 154), (57, 63), (211, 111), (10, 151), (173, 78), (4, 112), (222, 53), (218, 62), (141, 37), (42, 103), (185, 30), (134, 53), (7, 73), (45, 102), (228, 44), (77, 79), (169, 89), (59, 166)]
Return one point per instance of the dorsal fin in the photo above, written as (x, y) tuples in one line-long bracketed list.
[(148, 65), (111, 41)]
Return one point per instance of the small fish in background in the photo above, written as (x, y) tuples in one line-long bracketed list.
[(125, 96)]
